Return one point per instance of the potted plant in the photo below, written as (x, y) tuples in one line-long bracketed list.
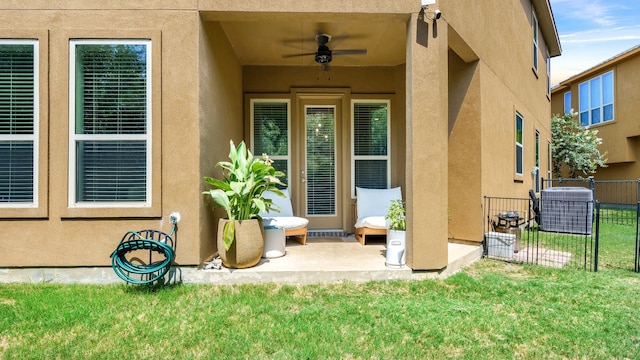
[(240, 193), (395, 217), (396, 233)]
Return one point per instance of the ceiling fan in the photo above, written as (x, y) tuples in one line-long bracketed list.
[(324, 55)]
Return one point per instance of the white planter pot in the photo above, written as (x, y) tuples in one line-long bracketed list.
[(396, 248)]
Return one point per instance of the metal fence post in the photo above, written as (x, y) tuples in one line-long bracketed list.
[(636, 267), (595, 254)]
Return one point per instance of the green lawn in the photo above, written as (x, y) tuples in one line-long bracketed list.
[(490, 310)]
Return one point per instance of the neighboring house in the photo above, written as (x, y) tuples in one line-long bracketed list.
[(112, 112), (607, 98)]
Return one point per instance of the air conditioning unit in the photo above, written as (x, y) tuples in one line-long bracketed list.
[(566, 210)]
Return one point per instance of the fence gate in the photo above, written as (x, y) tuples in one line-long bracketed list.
[(565, 236)]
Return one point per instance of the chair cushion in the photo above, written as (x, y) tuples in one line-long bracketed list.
[(373, 222), (282, 203), (287, 222), (375, 202)]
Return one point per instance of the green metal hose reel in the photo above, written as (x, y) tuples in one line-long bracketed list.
[(157, 247)]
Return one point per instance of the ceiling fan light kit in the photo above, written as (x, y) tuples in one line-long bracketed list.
[(324, 55)]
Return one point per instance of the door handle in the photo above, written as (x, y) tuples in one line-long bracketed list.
[(302, 178)]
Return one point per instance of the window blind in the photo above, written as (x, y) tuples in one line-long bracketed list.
[(321, 166), (17, 122), (371, 145), (16, 171), (111, 122), (111, 171), (271, 133), (270, 128)]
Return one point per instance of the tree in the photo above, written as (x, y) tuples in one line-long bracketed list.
[(575, 146)]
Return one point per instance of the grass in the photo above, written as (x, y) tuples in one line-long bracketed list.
[(490, 310)]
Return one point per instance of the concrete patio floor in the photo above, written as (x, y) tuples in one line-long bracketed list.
[(321, 260)]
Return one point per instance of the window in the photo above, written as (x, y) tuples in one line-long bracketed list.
[(370, 145), (549, 161), (18, 123), (567, 103), (270, 132), (596, 100), (519, 144), (548, 77), (110, 123), (534, 25)]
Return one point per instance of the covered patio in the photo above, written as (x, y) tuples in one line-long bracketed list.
[(322, 260)]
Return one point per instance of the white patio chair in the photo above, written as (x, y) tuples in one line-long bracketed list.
[(371, 208), (293, 225)]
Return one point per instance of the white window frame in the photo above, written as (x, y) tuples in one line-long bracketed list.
[(36, 121), (354, 158), (549, 161), (534, 20), (601, 100), (519, 144), (252, 139), (73, 137), (548, 64)]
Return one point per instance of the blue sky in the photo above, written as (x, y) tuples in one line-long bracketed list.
[(592, 31)]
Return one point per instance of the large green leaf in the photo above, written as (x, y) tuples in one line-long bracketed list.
[(220, 198), (228, 234)]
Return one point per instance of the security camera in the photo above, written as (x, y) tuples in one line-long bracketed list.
[(437, 14)]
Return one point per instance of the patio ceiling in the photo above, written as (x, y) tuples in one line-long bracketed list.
[(264, 42)]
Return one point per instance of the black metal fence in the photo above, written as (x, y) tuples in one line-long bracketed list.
[(618, 198), (557, 233)]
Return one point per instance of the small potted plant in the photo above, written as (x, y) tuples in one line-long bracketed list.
[(240, 193), (395, 216), (396, 234)]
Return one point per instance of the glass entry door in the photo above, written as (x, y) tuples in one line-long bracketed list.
[(321, 167)]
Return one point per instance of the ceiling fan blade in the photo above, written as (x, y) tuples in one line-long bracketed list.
[(349, 52), (296, 55)]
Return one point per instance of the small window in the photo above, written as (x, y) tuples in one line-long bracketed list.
[(549, 161), (519, 144), (18, 123), (370, 145), (548, 77), (534, 25), (596, 100), (567, 103), (110, 123), (270, 132)]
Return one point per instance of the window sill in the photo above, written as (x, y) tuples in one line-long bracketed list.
[(535, 72), (112, 212), (14, 213)]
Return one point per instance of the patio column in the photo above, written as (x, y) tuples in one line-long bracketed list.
[(427, 144)]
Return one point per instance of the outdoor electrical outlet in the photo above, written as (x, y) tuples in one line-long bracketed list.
[(174, 217)]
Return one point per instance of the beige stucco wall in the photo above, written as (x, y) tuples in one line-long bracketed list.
[(484, 96), (63, 236), (221, 120), (452, 114), (620, 137)]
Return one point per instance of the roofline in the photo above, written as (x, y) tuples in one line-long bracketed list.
[(599, 67), (548, 26)]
